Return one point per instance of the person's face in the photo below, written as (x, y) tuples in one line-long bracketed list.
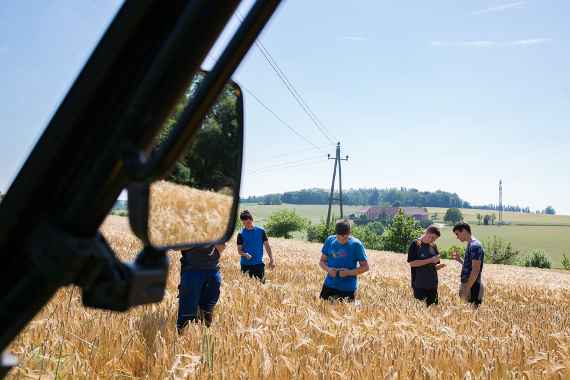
[(430, 238), (462, 235), (342, 239), (247, 223), (221, 247)]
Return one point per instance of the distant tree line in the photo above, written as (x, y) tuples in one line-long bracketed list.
[(401, 197), (525, 210)]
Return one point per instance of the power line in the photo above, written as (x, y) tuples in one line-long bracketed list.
[(293, 91), (306, 164), (278, 118), (291, 88), (289, 153), (284, 164), (313, 115)]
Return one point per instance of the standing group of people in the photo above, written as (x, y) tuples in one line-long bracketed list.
[(343, 258), (424, 261)]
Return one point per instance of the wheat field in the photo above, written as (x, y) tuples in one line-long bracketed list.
[(281, 330)]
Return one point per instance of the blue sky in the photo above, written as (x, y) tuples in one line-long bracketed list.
[(450, 95)]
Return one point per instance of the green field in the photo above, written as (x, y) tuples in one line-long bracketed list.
[(514, 218), (312, 212), (526, 231)]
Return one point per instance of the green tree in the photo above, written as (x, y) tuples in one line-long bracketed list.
[(400, 233), (319, 232), (368, 236), (374, 197), (550, 210), (282, 223), (453, 216), (201, 165)]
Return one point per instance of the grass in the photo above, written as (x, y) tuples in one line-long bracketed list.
[(526, 231), (312, 212), (281, 330), (554, 240), (514, 218)]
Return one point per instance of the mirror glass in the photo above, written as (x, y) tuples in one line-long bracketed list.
[(196, 202)]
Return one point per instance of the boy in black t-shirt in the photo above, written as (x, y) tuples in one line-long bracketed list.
[(200, 282), (423, 258)]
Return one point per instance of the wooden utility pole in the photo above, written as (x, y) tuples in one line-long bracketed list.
[(337, 163)]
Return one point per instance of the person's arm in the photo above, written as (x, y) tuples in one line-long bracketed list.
[(476, 254), (240, 250), (475, 270), (363, 267), (268, 250), (323, 263), (438, 265), (413, 256), (269, 253), (421, 263)]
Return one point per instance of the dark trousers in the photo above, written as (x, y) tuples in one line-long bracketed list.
[(427, 295), (255, 271), (474, 296), (198, 293), (331, 294)]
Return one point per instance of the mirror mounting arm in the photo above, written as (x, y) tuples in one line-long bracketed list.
[(91, 264)]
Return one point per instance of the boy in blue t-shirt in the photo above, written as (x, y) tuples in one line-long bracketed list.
[(471, 289), (343, 258), (250, 241)]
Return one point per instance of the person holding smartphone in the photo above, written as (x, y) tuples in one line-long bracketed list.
[(344, 259), (423, 257)]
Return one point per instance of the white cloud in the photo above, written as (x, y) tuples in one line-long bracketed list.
[(490, 43), (500, 8), (531, 41)]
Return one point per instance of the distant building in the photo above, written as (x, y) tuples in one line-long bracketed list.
[(387, 213)]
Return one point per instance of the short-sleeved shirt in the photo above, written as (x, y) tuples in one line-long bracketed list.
[(252, 243), (204, 258), (425, 276), (473, 251), (343, 256)]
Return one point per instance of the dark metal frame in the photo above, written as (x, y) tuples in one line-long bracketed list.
[(50, 216), (139, 207)]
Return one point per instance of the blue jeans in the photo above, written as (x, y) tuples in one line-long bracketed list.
[(198, 288)]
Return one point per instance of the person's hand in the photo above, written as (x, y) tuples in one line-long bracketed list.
[(455, 256), (434, 260), (440, 266), (464, 294), (344, 272), (248, 256), (332, 272), (271, 263)]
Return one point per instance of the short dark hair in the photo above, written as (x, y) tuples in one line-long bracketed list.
[(433, 230), (462, 226), (342, 227), (245, 215)]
